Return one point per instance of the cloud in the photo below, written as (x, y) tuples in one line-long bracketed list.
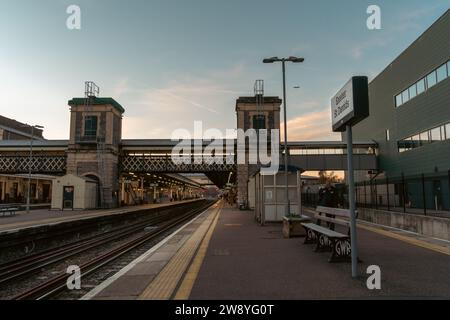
[(179, 102), (120, 87), (311, 126), (357, 51)]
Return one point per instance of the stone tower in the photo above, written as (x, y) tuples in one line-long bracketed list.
[(255, 112), (93, 150)]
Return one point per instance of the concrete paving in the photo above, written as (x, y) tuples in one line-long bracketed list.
[(224, 254), (157, 273), (247, 261)]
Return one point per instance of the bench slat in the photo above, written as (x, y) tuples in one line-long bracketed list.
[(325, 231), (334, 211), (336, 221)]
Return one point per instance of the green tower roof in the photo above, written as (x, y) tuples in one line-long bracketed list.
[(95, 101)]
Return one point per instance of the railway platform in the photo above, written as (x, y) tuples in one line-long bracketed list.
[(46, 217), (225, 254)]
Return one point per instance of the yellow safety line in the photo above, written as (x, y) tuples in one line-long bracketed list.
[(407, 239), (410, 240), (186, 286), (165, 283)]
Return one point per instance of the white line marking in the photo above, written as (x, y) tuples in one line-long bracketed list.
[(91, 294)]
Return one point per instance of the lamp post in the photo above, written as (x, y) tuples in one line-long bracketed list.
[(283, 63), (29, 164)]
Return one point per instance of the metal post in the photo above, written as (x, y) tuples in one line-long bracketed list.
[(365, 195), (351, 200), (29, 169), (376, 195), (404, 192), (288, 209), (423, 195), (299, 192), (387, 192)]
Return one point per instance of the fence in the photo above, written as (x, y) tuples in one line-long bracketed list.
[(425, 194)]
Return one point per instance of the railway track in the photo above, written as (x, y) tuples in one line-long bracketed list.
[(20, 268), (53, 286)]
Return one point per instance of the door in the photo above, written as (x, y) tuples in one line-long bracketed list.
[(46, 192), (68, 192)]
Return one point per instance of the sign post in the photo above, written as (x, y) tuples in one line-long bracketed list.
[(348, 107), (351, 201)]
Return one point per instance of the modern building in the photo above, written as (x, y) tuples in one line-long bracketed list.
[(410, 121)]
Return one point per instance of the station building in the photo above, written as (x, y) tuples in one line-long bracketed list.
[(410, 121), (13, 188)]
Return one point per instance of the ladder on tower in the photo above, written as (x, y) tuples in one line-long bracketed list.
[(91, 92)]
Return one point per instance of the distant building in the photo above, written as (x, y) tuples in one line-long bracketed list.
[(14, 130), (410, 121), (13, 188)]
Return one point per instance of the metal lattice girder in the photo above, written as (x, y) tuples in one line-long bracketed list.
[(39, 164), (132, 163)]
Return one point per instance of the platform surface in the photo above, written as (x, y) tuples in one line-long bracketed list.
[(36, 218), (248, 261), (224, 254)]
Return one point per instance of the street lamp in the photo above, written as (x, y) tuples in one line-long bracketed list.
[(29, 163), (283, 63)]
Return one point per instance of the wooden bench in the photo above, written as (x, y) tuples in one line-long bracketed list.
[(325, 238), (10, 210)]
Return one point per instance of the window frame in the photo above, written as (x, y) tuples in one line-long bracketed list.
[(87, 131), (407, 92), (438, 129), (399, 96), (444, 67), (435, 79), (414, 87), (422, 80)]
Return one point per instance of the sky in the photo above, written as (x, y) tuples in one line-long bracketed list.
[(172, 62)]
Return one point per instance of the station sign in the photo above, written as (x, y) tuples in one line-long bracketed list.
[(351, 104)]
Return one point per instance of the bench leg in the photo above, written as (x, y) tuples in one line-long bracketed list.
[(341, 251), (323, 243), (310, 236)]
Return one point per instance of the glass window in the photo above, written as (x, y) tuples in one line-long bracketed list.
[(448, 68), (259, 122), (415, 141), (441, 73), (90, 126), (431, 79), (424, 139), (412, 91), (421, 86), (435, 134), (402, 146), (398, 100), (447, 130), (405, 96)]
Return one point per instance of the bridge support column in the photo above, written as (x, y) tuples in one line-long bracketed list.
[(242, 180)]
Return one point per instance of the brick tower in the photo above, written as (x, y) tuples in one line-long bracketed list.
[(93, 150), (257, 112)]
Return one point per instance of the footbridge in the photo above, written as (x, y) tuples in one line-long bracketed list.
[(154, 155)]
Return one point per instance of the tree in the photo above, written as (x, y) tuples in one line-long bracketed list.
[(325, 177)]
